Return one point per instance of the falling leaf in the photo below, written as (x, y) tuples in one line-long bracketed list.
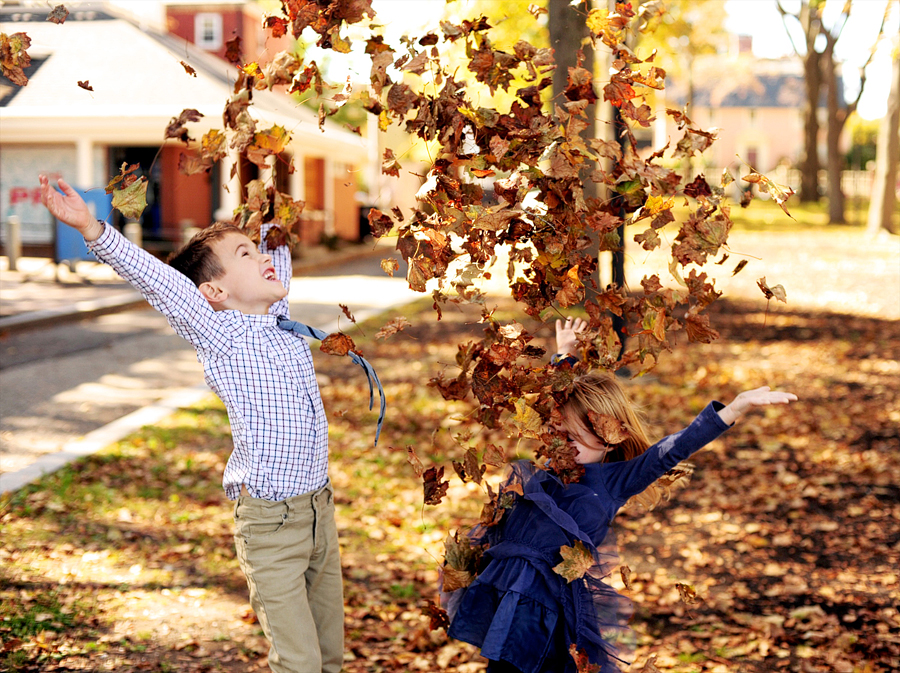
[(608, 428), (188, 69), (176, 129), (777, 291), (347, 313), (13, 57), (739, 267), (437, 616), (414, 461), (778, 193), (582, 664), (392, 326), (625, 573), (338, 344), (131, 200), (576, 561), (527, 420), (278, 25), (233, 50), (86, 85), (58, 14), (390, 265), (687, 593), (434, 488)]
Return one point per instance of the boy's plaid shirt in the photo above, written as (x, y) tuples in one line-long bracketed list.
[(263, 374)]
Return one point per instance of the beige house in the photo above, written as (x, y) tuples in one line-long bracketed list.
[(757, 105), (138, 85)]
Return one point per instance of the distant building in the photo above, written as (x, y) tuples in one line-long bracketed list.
[(757, 105), (139, 84)]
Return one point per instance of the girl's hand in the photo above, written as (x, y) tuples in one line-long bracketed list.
[(70, 208), (753, 398), (566, 341)]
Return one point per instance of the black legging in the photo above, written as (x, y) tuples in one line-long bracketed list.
[(501, 667)]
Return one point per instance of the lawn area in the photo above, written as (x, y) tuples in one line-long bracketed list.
[(789, 532)]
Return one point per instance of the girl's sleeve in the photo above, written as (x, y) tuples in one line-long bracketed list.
[(167, 290), (630, 477), (281, 260)]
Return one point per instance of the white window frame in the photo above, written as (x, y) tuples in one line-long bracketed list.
[(211, 22)]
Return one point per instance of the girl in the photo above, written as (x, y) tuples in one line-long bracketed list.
[(522, 614)]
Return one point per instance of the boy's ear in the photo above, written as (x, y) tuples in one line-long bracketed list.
[(214, 293)]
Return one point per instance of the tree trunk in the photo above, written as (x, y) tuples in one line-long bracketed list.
[(567, 29), (837, 117), (883, 206), (812, 75)]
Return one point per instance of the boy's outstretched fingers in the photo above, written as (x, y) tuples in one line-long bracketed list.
[(69, 207)]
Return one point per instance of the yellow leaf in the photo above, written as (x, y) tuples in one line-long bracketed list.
[(131, 200), (527, 420), (576, 561)]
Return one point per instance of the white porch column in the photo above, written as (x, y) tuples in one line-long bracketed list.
[(329, 197), (84, 163), (298, 179), (229, 189)]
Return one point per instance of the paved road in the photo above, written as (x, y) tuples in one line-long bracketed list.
[(63, 382)]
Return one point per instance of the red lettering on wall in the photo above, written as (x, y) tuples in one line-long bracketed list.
[(24, 195)]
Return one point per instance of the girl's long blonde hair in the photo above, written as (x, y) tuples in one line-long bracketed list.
[(601, 392)]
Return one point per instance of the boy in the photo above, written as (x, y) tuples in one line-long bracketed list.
[(223, 295)]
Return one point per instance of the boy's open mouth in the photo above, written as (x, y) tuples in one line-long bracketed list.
[(270, 274)]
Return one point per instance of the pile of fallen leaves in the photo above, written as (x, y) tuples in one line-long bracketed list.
[(781, 554)]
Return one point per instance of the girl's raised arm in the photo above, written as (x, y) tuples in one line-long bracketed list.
[(752, 398)]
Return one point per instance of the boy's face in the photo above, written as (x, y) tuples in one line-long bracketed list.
[(248, 283)]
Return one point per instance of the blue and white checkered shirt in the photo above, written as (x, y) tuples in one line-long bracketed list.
[(263, 374)]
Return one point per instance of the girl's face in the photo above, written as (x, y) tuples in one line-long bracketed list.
[(589, 447)]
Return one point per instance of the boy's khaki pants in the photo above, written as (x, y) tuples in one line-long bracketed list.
[(289, 553)]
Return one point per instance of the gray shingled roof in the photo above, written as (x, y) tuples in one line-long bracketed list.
[(135, 73)]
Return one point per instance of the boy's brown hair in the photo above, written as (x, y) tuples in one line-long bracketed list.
[(196, 259)]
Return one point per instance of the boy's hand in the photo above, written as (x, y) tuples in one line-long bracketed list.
[(70, 208), (752, 398), (566, 341)]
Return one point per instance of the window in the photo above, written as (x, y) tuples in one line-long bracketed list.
[(208, 31)]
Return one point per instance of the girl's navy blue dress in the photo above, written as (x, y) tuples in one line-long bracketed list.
[(520, 611)]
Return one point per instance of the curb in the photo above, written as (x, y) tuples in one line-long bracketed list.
[(80, 310), (131, 299)]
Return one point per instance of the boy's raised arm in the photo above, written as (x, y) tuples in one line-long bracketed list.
[(281, 260), (168, 291)]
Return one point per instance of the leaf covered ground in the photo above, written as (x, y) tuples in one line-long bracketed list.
[(780, 555)]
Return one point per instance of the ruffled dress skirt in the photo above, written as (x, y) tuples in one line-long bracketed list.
[(519, 610)]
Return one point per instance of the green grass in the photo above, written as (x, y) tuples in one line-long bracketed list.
[(767, 215)]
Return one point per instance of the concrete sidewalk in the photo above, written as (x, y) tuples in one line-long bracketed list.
[(40, 292)]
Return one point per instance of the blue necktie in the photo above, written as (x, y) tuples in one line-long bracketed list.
[(305, 330)]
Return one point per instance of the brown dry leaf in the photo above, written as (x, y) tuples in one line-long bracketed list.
[(777, 291), (338, 344), (434, 488), (390, 265), (687, 593), (393, 326), (13, 57), (625, 573), (608, 428), (58, 15)]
